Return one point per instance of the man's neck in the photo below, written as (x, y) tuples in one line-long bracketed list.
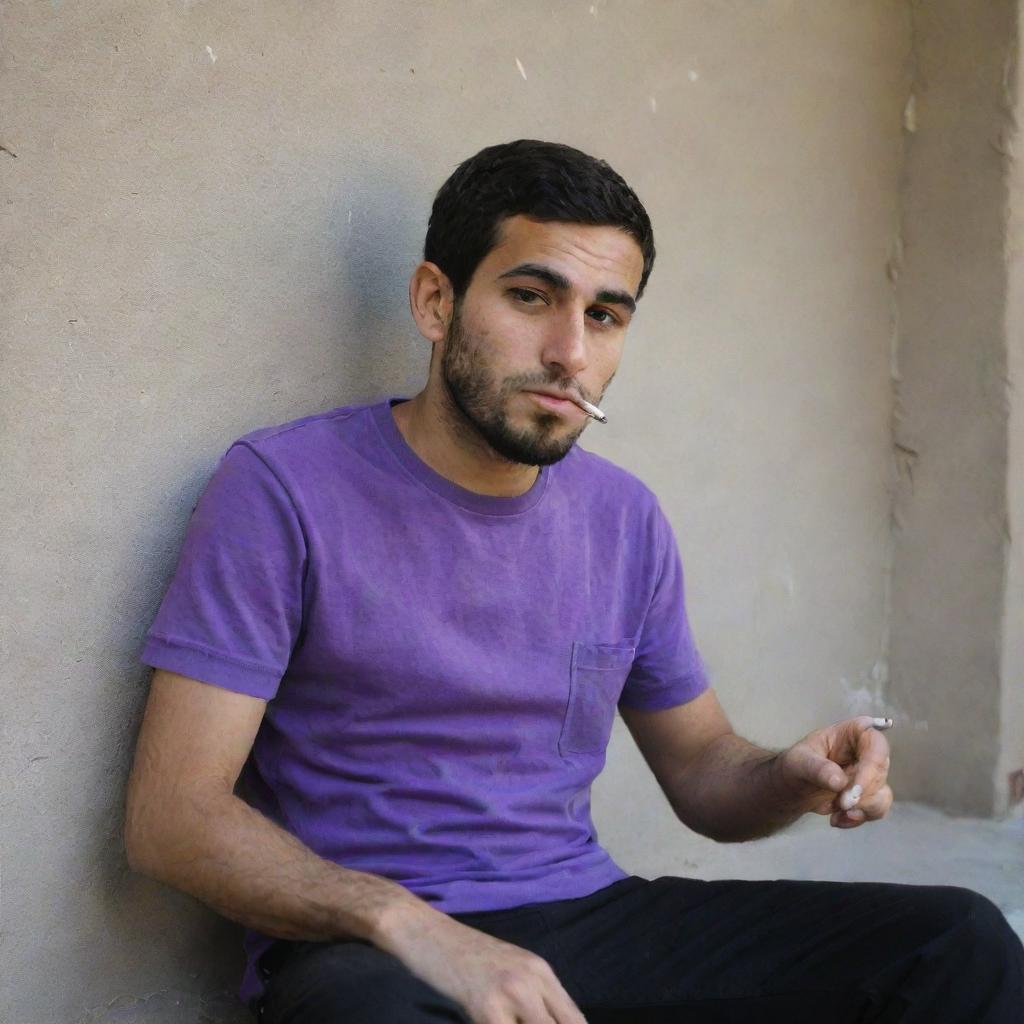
[(440, 436)]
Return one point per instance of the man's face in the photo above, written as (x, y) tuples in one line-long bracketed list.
[(546, 309)]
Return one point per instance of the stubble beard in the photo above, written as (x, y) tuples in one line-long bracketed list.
[(481, 403)]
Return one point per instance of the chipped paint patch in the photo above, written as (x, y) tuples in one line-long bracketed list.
[(213, 56), (522, 70), (910, 114), (1016, 786)]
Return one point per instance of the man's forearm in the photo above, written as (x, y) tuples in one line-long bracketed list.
[(732, 793), (244, 866)]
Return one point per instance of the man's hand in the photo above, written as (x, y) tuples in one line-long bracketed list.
[(494, 982), (841, 771)]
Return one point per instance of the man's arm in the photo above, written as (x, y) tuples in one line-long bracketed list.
[(184, 826), (731, 790)]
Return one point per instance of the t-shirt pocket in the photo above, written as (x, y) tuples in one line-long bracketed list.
[(597, 675)]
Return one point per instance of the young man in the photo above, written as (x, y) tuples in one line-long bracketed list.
[(411, 623)]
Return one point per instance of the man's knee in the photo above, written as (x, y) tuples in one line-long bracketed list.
[(989, 928), (955, 906), (974, 930)]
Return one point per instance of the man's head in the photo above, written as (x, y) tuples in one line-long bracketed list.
[(534, 258), (545, 181)]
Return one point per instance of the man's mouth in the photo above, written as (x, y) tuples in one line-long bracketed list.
[(555, 403)]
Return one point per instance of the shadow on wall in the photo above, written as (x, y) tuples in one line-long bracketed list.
[(370, 347), (377, 253)]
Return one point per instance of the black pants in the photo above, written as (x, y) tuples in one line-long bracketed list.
[(687, 951)]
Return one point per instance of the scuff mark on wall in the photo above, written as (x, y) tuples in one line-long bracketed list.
[(1016, 787), (910, 114), (168, 1006), (905, 459)]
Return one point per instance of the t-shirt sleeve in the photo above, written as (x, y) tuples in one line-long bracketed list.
[(667, 669), (232, 613)]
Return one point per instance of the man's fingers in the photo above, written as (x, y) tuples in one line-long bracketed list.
[(877, 804), (849, 798), (548, 1004), (812, 769), (564, 1010), (872, 764), (551, 1008), (560, 1005), (871, 808), (520, 1011), (847, 819)]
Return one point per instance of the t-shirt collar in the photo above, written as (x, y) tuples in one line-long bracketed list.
[(487, 504)]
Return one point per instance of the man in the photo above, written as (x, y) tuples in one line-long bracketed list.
[(411, 623)]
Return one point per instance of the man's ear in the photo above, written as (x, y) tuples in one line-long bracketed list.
[(431, 299)]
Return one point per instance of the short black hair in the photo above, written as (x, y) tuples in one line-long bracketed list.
[(547, 181)]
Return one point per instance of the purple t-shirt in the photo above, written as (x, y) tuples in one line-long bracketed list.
[(441, 667)]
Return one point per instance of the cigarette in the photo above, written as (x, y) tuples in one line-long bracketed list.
[(881, 723), (590, 410)]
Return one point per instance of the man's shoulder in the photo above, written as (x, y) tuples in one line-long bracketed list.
[(299, 432), (604, 478), (327, 449)]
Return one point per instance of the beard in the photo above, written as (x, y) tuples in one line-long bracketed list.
[(482, 402)]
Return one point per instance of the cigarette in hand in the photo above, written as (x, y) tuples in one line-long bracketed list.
[(849, 798)]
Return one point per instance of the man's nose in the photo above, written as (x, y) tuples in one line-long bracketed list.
[(565, 347)]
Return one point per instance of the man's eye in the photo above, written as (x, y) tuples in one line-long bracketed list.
[(610, 319), (525, 295)]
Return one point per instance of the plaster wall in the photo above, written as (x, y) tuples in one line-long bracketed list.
[(210, 213), (950, 419)]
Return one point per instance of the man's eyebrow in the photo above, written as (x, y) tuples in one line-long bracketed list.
[(561, 283)]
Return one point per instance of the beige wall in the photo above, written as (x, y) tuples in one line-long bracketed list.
[(209, 224)]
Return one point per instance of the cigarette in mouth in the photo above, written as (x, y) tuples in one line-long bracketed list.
[(590, 410)]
